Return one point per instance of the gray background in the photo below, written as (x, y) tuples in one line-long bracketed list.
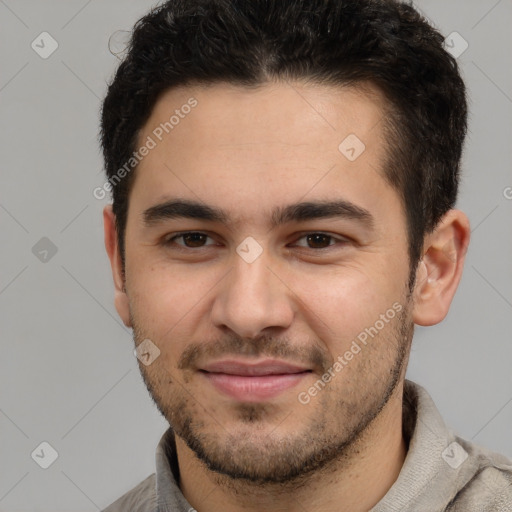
[(67, 372)]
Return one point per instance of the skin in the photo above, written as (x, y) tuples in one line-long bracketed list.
[(249, 151)]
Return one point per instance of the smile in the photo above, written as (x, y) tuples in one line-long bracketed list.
[(253, 382)]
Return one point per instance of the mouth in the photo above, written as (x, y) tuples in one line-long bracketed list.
[(253, 382)]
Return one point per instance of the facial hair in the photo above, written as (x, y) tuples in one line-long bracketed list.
[(269, 445)]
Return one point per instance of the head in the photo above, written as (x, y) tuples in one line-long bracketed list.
[(294, 202)]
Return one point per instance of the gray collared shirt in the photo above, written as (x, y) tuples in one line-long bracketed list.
[(441, 473)]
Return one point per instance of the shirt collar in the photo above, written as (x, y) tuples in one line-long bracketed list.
[(168, 493), (428, 438)]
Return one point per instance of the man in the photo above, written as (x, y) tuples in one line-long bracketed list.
[(284, 176)]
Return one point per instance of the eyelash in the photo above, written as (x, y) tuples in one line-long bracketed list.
[(170, 241)]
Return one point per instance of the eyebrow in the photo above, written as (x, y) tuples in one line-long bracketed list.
[(183, 208), (310, 210), (297, 212)]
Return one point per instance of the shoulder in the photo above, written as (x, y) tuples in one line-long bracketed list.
[(490, 488), (142, 498)]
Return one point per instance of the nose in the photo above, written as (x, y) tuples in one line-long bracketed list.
[(252, 298)]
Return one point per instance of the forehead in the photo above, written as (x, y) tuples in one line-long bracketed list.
[(292, 113), (253, 146)]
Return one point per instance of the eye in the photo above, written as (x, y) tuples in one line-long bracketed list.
[(319, 241), (190, 239)]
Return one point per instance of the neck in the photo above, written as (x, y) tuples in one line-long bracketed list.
[(356, 483)]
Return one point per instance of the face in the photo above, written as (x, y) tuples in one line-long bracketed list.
[(266, 259)]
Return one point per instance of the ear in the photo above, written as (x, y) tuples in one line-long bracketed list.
[(439, 271), (120, 299)]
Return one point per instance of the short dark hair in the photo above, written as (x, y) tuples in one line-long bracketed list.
[(386, 43)]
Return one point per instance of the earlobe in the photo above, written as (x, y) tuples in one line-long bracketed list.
[(439, 271), (111, 245)]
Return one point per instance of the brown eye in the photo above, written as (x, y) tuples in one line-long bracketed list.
[(318, 240), (192, 239)]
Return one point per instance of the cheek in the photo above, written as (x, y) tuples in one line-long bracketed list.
[(340, 307), (163, 292), (168, 302)]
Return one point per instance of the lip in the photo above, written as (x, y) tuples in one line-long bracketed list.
[(253, 382)]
